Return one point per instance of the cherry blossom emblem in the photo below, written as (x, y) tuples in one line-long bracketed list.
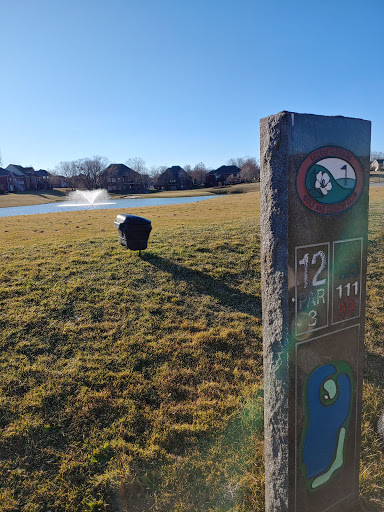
[(330, 180), (323, 182)]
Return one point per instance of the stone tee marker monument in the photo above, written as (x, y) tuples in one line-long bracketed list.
[(314, 224)]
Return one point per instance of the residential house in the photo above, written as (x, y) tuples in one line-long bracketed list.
[(224, 175), (6, 180), (120, 178), (43, 182), (31, 181), (58, 181), (174, 178), (29, 173), (26, 178), (377, 164), (19, 177)]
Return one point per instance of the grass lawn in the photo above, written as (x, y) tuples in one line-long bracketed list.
[(241, 188), (134, 383), (376, 177), (31, 198)]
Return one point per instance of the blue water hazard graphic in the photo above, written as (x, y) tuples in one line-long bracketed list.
[(328, 399)]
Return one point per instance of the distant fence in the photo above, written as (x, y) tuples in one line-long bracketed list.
[(376, 176)]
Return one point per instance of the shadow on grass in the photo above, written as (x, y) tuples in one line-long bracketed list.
[(374, 369), (366, 505), (207, 285), (217, 475)]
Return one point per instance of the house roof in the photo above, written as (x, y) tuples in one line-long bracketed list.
[(225, 169), (42, 172), (23, 170), (175, 172), (59, 176), (18, 170), (4, 172), (379, 160), (28, 170), (119, 170)]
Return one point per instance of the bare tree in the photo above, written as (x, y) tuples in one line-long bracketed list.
[(145, 180), (85, 172), (376, 154), (69, 171), (89, 171), (1, 160), (199, 173), (155, 172), (137, 164), (239, 162), (250, 170)]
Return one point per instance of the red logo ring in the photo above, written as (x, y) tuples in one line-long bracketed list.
[(321, 204)]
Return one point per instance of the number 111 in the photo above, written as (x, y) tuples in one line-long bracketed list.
[(348, 286)]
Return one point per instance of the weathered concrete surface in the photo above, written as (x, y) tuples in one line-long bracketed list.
[(274, 262), (302, 234)]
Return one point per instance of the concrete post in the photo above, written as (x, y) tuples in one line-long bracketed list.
[(314, 225)]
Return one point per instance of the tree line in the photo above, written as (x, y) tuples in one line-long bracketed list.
[(376, 154), (87, 172)]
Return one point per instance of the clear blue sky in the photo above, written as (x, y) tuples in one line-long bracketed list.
[(179, 81)]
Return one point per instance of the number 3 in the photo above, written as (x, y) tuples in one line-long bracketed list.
[(313, 315)]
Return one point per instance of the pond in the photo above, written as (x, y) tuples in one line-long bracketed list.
[(67, 206)]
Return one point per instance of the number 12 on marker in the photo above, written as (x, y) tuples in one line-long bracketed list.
[(311, 287)]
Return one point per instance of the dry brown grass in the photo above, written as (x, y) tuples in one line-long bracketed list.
[(136, 383), (31, 198)]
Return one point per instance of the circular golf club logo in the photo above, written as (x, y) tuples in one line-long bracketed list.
[(330, 180)]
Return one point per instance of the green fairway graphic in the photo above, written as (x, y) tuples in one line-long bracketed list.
[(330, 181)]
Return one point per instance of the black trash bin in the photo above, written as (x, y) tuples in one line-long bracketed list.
[(133, 231)]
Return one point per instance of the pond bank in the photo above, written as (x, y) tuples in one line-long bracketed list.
[(56, 195), (122, 204)]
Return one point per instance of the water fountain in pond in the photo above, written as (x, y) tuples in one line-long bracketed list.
[(88, 198)]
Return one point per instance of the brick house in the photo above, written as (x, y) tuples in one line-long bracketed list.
[(19, 177), (6, 180), (120, 178), (174, 178), (26, 178), (224, 175), (42, 177), (31, 181)]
